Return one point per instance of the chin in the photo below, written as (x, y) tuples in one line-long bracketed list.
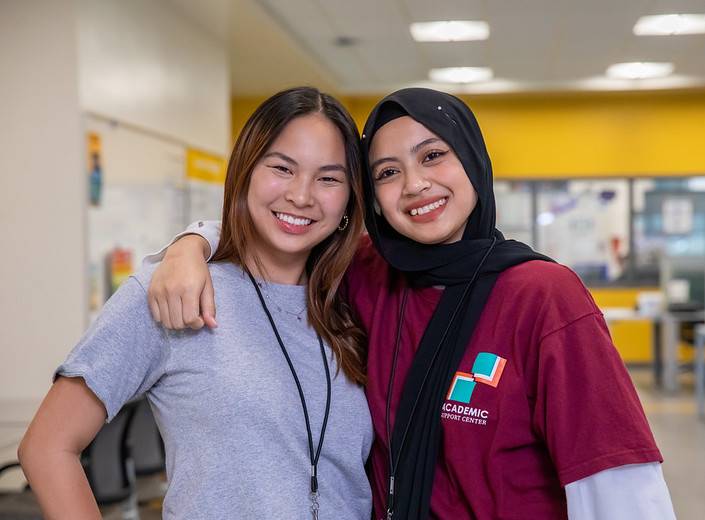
[(429, 238), (426, 240)]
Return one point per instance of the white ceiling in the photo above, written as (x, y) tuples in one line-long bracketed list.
[(533, 45)]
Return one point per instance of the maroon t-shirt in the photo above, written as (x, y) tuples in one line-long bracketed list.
[(541, 397)]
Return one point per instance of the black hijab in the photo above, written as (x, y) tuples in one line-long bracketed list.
[(468, 269)]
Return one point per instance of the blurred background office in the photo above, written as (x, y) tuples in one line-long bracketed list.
[(117, 117)]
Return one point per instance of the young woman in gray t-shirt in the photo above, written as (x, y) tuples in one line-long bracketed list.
[(267, 419)]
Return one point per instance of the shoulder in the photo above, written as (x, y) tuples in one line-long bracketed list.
[(367, 253), (143, 277), (549, 288), (543, 276), (367, 265), (132, 293), (232, 287), (126, 313), (367, 275), (223, 272)]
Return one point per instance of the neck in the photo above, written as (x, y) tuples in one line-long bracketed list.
[(277, 269)]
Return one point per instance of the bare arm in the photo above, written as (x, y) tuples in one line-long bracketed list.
[(181, 292), (67, 420)]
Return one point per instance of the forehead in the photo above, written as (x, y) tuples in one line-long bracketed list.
[(399, 134), (313, 137)]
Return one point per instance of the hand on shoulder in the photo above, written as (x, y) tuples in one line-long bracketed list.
[(181, 292)]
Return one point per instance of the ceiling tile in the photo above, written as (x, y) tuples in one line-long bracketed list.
[(547, 42)]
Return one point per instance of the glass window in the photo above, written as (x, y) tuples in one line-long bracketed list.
[(514, 201), (585, 224), (669, 219)]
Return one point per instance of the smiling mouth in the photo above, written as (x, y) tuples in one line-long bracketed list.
[(292, 219), (428, 207)]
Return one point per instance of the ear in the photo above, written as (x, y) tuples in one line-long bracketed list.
[(376, 207)]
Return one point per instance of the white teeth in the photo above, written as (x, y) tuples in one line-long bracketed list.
[(428, 207), (293, 220)]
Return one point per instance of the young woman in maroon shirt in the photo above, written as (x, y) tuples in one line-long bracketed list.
[(494, 387)]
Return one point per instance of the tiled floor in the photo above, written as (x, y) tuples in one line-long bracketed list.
[(681, 438)]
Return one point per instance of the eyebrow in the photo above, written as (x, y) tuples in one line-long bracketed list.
[(332, 168), (282, 156), (326, 168), (382, 160), (414, 149), (423, 143)]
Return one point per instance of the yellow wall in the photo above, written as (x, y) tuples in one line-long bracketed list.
[(632, 338), (242, 108), (568, 135)]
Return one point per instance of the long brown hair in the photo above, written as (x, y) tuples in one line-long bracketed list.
[(328, 313)]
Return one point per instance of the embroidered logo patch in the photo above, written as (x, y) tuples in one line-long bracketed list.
[(487, 369)]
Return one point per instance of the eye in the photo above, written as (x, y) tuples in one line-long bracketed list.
[(433, 155), (386, 173), (331, 180), (280, 168)]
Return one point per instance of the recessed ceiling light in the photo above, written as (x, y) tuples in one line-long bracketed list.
[(639, 70), (670, 24), (605, 83), (450, 31), (460, 74)]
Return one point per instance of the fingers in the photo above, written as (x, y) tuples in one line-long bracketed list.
[(180, 294), (190, 310), (196, 324), (164, 313), (154, 308), (207, 301), (210, 321), (175, 311)]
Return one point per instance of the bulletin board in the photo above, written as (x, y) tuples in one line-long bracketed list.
[(139, 205)]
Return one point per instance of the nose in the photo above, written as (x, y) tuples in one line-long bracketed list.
[(299, 191), (415, 182)]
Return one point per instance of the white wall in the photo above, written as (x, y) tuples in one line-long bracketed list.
[(144, 63), (42, 193), (134, 61)]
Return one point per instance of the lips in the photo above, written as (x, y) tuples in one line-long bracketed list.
[(293, 220), (293, 224), (426, 206)]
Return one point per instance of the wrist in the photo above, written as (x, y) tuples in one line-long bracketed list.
[(189, 245)]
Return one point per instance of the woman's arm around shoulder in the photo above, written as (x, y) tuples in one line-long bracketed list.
[(67, 421), (181, 292)]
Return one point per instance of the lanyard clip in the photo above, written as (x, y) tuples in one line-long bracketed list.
[(390, 499), (314, 479)]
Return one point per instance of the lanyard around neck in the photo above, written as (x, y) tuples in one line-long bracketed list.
[(394, 461), (312, 456)]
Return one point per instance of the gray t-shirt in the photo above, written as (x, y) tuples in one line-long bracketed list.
[(227, 405)]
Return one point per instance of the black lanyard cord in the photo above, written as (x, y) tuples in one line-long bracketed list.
[(390, 388), (393, 464), (313, 457)]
